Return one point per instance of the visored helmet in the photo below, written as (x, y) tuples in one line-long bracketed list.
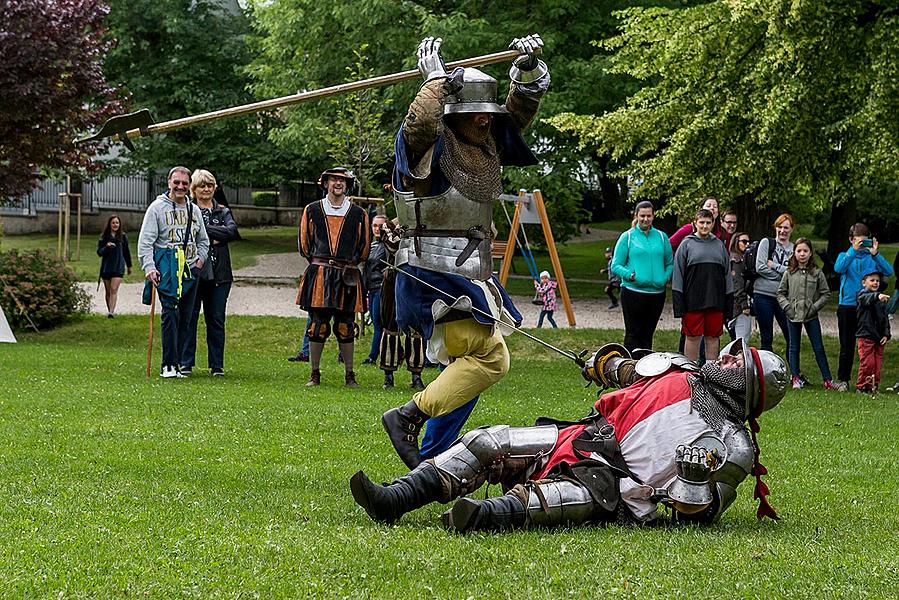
[(478, 95)]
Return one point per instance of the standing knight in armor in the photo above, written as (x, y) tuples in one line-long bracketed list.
[(449, 153), (674, 434)]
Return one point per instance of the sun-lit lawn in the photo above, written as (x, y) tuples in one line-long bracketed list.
[(115, 485)]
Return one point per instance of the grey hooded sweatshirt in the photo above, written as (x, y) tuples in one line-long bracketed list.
[(164, 225)]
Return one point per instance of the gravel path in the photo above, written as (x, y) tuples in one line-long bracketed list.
[(269, 288)]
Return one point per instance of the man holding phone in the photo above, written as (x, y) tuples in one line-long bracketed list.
[(858, 260)]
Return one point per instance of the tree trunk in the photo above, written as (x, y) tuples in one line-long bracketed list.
[(757, 221), (842, 217)]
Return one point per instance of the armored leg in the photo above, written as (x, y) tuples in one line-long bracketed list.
[(500, 454), (536, 504)]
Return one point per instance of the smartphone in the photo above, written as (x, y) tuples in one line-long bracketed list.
[(868, 243)]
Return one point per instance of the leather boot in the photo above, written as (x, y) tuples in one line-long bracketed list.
[(386, 503), (388, 380), (402, 425), (315, 378), (350, 380), (417, 383), (493, 514)]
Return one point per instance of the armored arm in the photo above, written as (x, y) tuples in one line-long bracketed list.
[(725, 479), (422, 123), (611, 366), (530, 80)]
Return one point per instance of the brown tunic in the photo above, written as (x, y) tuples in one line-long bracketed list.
[(346, 241)]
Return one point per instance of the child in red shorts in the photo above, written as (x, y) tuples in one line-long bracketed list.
[(702, 287)]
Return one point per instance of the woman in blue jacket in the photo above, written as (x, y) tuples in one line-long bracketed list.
[(857, 261), (644, 261)]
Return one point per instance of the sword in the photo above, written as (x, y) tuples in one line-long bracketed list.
[(576, 358)]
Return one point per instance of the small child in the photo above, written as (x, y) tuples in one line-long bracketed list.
[(546, 287), (871, 333), (614, 280), (802, 293)]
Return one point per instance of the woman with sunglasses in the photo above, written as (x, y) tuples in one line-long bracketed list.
[(215, 281), (741, 325)]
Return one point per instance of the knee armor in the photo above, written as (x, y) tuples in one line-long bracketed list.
[(500, 454), (559, 502)]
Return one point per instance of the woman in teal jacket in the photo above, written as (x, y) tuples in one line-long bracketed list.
[(644, 261)]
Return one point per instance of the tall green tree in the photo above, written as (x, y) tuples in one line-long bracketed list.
[(185, 57), (760, 102), (306, 45)]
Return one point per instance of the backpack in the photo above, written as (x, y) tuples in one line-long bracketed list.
[(749, 257)]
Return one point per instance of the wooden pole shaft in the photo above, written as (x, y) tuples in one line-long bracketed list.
[(334, 90), (150, 335)]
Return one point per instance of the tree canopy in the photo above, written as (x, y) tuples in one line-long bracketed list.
[(773, 102), (186, 57), (52, 87)]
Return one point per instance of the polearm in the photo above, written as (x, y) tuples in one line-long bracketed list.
[(577, 359), (140, 124)]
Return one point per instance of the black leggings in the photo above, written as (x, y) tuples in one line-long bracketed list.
[(641, 317), (846, 324)]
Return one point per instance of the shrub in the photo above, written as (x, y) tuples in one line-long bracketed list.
[(265, 198), (40, 283)]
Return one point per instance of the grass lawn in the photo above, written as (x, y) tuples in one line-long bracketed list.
[(114, 485)]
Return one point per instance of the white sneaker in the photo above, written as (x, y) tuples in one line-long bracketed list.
[(170, 373)]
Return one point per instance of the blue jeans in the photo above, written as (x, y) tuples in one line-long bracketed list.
[(813, 329), (442, 431), (214, 299), (766, 310), (549, 315), (374, 309), (176, 321)]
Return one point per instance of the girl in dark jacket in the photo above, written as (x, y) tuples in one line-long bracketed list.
[(215, 277), (115, 258)]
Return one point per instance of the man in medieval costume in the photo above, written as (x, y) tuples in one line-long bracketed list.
[(673, 434), (449, 153), (334, 237)]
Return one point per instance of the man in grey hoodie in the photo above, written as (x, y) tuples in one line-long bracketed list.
[(172, 248)]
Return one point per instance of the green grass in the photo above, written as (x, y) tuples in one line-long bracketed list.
[(116, 485)]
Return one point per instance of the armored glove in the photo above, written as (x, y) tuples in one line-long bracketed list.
[(693, 463), (430, 63), (530, 47), (691, 492)]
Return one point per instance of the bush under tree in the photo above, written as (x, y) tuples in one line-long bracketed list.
[(37, 285)]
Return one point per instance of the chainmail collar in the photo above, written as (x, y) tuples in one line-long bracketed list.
[(472, 169), (718, 395)]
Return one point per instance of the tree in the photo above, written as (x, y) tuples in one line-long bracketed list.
[(291, 57), (357, 138), (760, 102), (53, 88), (186, 57)]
